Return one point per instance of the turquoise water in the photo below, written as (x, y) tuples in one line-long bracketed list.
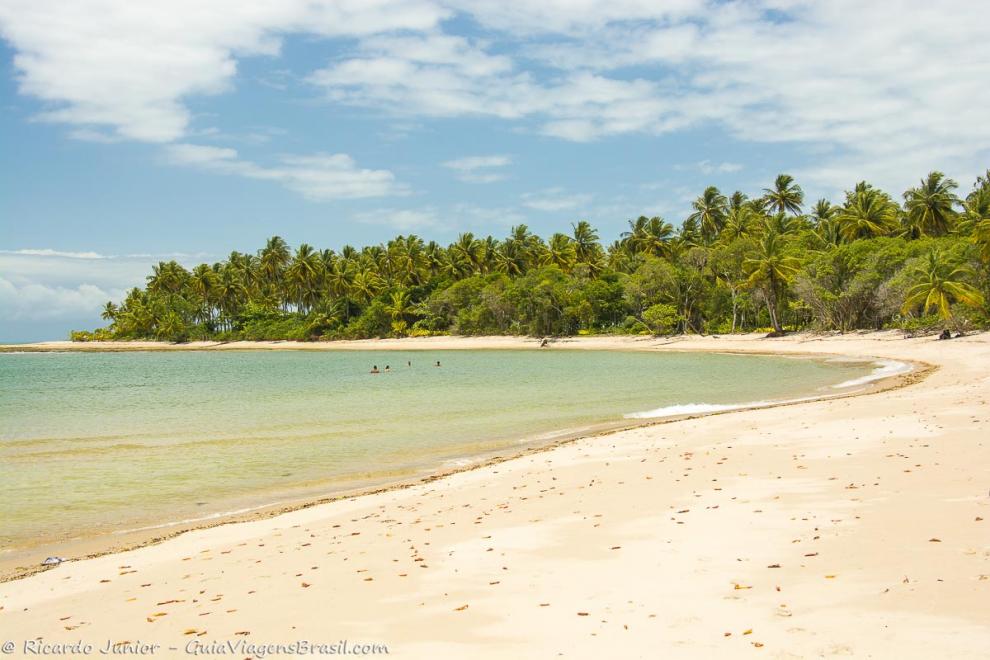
[(93, 443)]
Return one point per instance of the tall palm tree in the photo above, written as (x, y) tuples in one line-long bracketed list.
[(468, 251), (826, 227), (303, 276), (868, 212), (785, 196), (710, 212), (586, 242), (109, 312), (561, 252), (939, 284), (976, 219), (772, 268), (399, 307), (366, 285), (931, 206), (649, 236)]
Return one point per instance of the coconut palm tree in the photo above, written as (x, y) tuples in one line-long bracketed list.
[(561, 252), (938, 284), (366, 285), (826, 227), (976, 219), (468, 252), (649, 236), (399, 307), (868, 212), (109, 312), (710, 212), (586, 242), (303, 277), (931, 206), (785, 196), (772, 268)]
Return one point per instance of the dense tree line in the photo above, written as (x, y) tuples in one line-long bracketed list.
[(736, 263)]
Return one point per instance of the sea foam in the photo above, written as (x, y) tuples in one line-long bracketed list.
[(885, 369)]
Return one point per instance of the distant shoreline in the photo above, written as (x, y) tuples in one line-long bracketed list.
[(442, 342)]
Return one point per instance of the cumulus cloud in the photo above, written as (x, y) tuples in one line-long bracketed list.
[(35, 302), (401, 219), (882, 90), (319, 177), (39, 284), (129, 66), (708, 167), (555, 199), (479, 169)]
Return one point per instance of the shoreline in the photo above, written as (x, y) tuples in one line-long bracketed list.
[(852, 525), (78, 549)]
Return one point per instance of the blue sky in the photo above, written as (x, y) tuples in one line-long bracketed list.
[(135, 131)]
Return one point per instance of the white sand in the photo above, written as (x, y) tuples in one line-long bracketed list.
[(848, 527)]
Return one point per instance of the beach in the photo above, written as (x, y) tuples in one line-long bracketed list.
[(852, 526)]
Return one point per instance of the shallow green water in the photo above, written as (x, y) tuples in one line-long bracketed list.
[(94, 443)]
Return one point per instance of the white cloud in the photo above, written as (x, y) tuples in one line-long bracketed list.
[(707, 167), (555, 199), (34, 302), (319, 177), (129, 66), (48, 252), (572, 17), (479, 169), (895, 88), (441, 76), (401, 219)]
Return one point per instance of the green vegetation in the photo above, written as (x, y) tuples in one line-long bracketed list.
[(735, 264)]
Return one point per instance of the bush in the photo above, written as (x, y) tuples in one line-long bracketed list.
[(661, 319)]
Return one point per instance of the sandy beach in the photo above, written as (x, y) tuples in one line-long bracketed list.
[(847, 527)]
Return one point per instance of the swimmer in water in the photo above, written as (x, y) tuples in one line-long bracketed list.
[(438, 363), (387, 368), (374, 369)]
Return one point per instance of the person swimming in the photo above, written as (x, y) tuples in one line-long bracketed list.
[(374, 369), (387, 368), (438, 363), (408, 363)]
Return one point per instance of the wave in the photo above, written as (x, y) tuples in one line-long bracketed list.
[(884, 369), (693, 409)]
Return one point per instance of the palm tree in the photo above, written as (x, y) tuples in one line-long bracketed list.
[(561, 252), (274, 258), (976, 218), (366, 285), (586, 242), (710, 212), (109, 312), (939, 284), (772, 268), (868, 212), (399, 308), (930, 206), (649, 236), (469, 252), (303, 277), (785, 196), (826, 228)]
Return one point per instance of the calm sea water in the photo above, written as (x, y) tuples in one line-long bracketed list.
[(96, 443)]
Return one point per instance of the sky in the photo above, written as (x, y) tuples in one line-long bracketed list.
[(133, 131)]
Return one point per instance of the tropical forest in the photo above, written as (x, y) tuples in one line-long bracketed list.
[(772, 262)]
